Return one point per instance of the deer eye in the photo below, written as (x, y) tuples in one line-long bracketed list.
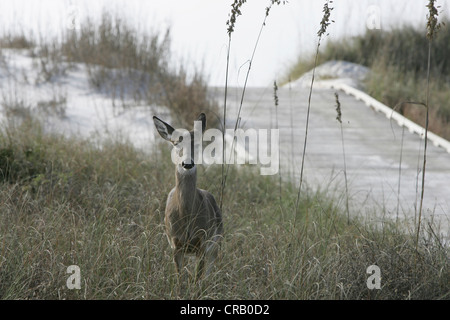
[(180, 139)]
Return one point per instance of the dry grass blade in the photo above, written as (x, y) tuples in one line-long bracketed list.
[(236, 6), (276, 101), (432, 27), (323, 28), (235, 12), (339, 119)]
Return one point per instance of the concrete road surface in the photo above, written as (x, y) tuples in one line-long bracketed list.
[(380, 185)]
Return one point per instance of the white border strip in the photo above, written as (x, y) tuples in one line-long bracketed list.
[(389, 113)]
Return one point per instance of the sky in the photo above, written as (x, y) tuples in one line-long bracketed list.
[(199, 32)]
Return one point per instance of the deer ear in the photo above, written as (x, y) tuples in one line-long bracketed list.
[(202, 118), (165, 130)]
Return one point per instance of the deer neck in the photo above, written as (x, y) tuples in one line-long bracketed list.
[(186, 188)]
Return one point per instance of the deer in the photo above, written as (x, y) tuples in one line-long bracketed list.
[(192, 218)]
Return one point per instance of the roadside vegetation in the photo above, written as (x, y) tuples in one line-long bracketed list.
[(99, 205), (69, 202)]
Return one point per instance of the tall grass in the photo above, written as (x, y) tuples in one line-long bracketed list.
[(432, 28), (383, 50), (69, 202), (100, 206), (16, 41), (236, 7), (321, 33), (339, 119)]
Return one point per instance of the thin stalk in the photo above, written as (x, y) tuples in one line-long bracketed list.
[(292, 131), (400, 172), (224, 122), (243, 95), (339, 118), (275, 96), (237, 4), (416, 200), (323, 29), (306, 131), (345, 177), (235, 12), (425, 144)]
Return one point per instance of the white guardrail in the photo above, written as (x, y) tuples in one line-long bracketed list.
[(389, 113)]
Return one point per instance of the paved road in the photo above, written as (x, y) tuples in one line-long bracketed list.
[(373, 147)]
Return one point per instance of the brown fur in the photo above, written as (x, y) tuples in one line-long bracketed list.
[(192, 218)]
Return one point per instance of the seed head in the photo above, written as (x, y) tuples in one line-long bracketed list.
[(432, 21), (325, 19), (338, 108), (275, 93), (235, 12), (272, 2)]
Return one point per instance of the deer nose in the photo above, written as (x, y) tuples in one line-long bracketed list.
[(188, 165)]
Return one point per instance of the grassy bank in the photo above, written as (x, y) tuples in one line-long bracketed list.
[(68, 202), (398, 62), (99, 205), (132, 67)]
